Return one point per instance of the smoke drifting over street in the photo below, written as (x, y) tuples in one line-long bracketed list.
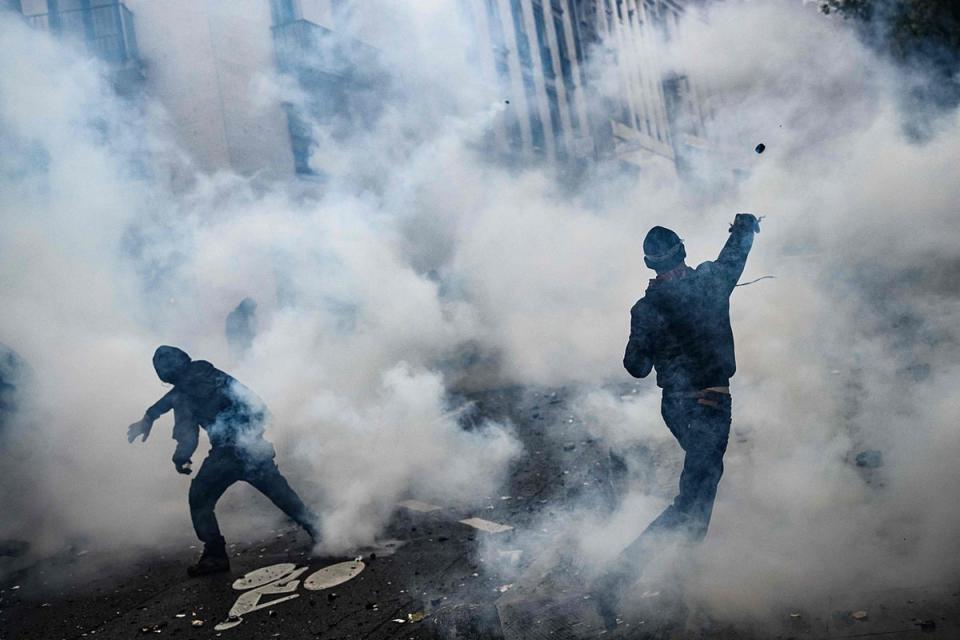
[(424, 268)]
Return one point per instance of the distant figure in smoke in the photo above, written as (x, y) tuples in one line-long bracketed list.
[(14, 374), (241, 327), (681, 327), (204, 396)]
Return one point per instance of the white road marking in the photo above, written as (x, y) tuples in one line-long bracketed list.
[(486, 525), (419, 506), (333, 575), (280, 579), (263, 575)]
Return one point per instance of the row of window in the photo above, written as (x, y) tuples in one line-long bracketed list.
[(546, 115), (629, 25), (558, 91)]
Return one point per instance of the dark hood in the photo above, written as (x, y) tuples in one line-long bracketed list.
[(170, 363)]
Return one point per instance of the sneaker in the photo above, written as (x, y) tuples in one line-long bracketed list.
[(209, 564)]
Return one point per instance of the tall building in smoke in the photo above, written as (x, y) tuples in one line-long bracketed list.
[(103, 28), (644, 115), (579, 79)]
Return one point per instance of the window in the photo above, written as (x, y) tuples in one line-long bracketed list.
[(536, 129), (523, 44), (546, 57), (566, 68), (503, 68), (526, 63), (555, 121), (282, 11)]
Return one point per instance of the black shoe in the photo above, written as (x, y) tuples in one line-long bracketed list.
[(209, 564)]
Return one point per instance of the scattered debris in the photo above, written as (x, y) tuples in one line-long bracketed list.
[(870, 459), (859, 615), (505, 587), (417, 616), (760, 148), (398, 620), (795, 614), (926, 625), (197, 623)]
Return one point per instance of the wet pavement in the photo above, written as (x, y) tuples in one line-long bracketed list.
[(438, 572)]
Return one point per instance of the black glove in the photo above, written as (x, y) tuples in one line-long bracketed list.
[(746, 221), (183, 467)]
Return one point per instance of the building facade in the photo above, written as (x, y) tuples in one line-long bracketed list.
[(203, 60)]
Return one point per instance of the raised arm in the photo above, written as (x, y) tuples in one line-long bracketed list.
[(638, 358), (733, 256)]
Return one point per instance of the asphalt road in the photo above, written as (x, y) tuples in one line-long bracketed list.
[(432, 576)]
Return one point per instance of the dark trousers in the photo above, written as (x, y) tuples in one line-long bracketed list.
[(227, 465), (702, 426)]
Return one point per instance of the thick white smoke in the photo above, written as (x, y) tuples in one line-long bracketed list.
[(420, 248)]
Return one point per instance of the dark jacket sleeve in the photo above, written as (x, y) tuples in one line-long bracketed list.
[(733, 257), (186, 432), (161, 406), (638, 359)]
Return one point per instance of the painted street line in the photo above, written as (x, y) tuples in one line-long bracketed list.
[(486, 525), (280, 579), (333, 575), (419, 506)]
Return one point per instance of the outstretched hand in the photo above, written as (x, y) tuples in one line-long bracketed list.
[(140, 428)]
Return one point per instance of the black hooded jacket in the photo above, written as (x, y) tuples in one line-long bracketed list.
[(681, 326), (203, 396)]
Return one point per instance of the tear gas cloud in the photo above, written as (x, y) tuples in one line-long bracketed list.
[(420, 249)]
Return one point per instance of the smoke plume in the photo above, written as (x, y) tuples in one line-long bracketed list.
[(423, 264)]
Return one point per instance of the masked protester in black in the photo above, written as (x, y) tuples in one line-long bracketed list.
[(681, 328), (233, 417)]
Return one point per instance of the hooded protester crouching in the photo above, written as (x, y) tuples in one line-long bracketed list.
[(234, 418)]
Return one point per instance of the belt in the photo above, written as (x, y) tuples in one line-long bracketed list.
[(699, 394), (703, 395)]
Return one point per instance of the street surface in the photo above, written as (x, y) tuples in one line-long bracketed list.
[(431, 576)]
